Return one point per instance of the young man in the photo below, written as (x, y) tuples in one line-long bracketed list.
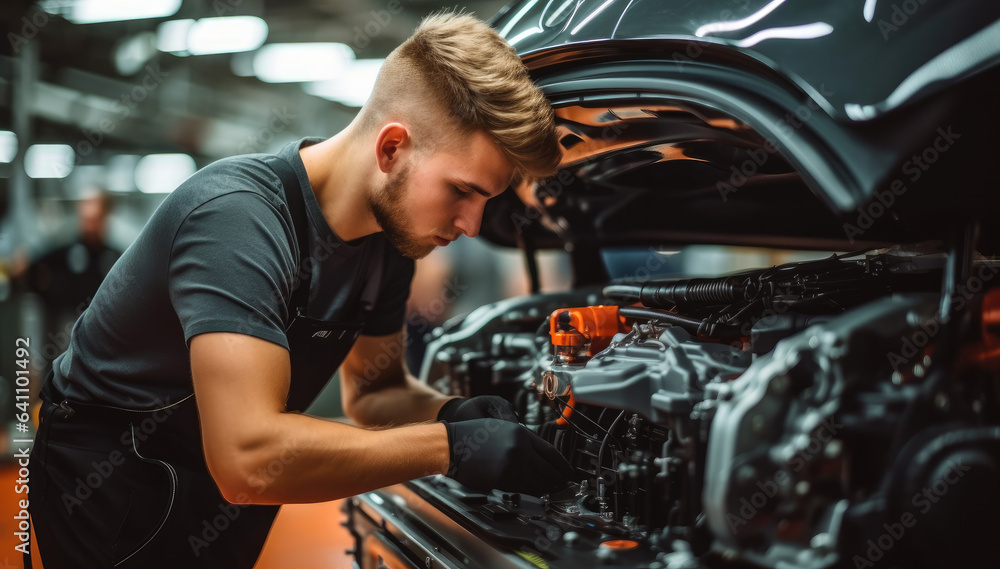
[(171, 427)]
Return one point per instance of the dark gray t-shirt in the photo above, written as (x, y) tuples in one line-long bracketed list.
[(218, 255)]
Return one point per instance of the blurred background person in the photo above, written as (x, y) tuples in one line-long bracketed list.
[(66, 276)]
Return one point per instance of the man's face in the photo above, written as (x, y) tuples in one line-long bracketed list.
[(431, 201)]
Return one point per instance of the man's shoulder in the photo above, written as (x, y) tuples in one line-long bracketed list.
[(245, 178), (245, 173)]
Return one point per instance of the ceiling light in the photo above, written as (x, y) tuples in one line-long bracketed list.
[(161, 173), (352, 87), (300, 62), (226, 35), (172, 36), (8, 146), (49, 160), (93, 11)]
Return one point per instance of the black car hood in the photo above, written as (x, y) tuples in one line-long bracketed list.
[(833, 125)]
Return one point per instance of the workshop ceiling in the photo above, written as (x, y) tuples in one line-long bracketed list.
[(104, 88)]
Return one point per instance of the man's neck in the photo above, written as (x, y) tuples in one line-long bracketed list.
[(340, 176)]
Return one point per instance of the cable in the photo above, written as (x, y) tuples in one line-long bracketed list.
[(705, 327), (576, 427), (575, 412), (604, 443)]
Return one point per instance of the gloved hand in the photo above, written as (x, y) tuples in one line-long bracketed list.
[(481, 407), (492, 453)]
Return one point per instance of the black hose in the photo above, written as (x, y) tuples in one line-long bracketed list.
[(723, 290), (628, 293), (686, 322), (705, 328)]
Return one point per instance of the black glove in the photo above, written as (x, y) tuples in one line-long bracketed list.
[(491, 453), (482, 407)]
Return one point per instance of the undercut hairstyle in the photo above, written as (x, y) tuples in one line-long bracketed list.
[(454, 76)]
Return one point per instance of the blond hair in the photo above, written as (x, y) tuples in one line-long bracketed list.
[(460, 67)]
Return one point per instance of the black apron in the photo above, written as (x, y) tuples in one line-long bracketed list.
[(113, 487)]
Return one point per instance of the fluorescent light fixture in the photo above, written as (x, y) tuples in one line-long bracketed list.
[(301, 62), (352, 87), (161, 173), (8, 146), (93, 11), (804, 32), (226, 35), (49, 160), (172, 36)]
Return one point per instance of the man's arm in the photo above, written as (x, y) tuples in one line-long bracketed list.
[(241, 384), (376, 388)]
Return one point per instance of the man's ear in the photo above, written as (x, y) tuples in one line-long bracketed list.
[(391, 142)]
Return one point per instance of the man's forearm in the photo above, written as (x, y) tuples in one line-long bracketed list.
[(306, 459), (411, 402)]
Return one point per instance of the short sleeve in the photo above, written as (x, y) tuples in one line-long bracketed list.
[(230, 268), (390, 307)]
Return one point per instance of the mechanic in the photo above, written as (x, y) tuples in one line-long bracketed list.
[(172, 428)]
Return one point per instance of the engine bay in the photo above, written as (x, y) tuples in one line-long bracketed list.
[(828, 413)]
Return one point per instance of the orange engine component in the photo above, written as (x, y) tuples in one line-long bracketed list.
[(584, 331)]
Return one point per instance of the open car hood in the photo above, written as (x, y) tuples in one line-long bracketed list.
[(791, 124)]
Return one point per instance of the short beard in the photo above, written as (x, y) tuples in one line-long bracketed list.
[(386, 205)]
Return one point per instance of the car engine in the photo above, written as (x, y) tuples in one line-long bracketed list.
[(833, 413)]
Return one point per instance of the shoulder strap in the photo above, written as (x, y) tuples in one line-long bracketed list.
[(297, 209), (370, 294)]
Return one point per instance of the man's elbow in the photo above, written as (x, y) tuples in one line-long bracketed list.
[(239, 477), (356, 410)]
